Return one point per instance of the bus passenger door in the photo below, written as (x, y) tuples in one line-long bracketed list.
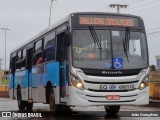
[(62, 53), (29, 68)]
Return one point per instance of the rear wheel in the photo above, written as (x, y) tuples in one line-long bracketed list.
[(112, 109), (52, 104), (21, 104)]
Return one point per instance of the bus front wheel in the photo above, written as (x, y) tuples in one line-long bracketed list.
[(29, 106), (52, 101), (112, 109)]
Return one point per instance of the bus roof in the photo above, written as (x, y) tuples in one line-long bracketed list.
[(65, 20), (104, 13)]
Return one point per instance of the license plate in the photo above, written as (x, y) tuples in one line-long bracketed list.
[(112, 97)]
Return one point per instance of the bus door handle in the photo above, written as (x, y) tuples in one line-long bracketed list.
[(64, 69)]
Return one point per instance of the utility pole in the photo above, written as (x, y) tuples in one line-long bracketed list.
[(1, 63), (50, 14), (119, 6), (5, 32)]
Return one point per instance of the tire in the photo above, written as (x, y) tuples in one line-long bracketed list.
[(57, 109), (63, 109), (21, 104), (112, 110), (29, 106), (52, 104)]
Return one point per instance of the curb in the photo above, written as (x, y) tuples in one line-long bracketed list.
[(153, 103)]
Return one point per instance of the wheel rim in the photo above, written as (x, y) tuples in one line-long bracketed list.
[(52, 102)]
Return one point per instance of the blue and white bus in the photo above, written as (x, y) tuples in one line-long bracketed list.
[(86, 59)]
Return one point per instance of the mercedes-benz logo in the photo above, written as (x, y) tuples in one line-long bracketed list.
[(112, 87)]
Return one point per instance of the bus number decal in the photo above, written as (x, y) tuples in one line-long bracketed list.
[(103, 87), (126, 87)]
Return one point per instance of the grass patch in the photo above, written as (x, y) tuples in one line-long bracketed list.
[(4, 82)]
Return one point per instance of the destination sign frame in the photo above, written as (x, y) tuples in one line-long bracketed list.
[(107, 20)]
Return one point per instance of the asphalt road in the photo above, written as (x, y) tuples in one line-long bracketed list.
[(78, 113)]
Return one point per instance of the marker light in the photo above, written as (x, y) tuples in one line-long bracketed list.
[(76, 82)]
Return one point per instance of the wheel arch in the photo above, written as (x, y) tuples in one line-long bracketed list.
[(48, 88), (18, 87)]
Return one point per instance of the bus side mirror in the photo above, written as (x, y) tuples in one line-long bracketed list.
[(67, 38)]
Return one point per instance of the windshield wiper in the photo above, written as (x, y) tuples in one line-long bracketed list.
[(126, 43), (95, 39)]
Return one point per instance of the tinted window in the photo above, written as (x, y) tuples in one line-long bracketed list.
[(24, 53), (38, 58), (12, 63), (49, 46), (18, 61), (49, 40), (38, 46), (23, 63), (19, 56)]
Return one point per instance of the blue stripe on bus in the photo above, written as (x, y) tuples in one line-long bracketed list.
[(44, 73), (10, 80), (21, 78), (40, 76)]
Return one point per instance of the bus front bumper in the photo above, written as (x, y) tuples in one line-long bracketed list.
[(89, 98)]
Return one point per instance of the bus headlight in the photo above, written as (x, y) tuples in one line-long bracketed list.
[(76, 82), (144, 83)]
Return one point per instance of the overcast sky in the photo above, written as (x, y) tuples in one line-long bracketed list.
[(26, 18)]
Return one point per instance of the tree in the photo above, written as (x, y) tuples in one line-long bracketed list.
[(152, 67)]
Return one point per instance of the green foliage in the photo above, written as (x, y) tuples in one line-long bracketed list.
[(4, 82), (152, 67)]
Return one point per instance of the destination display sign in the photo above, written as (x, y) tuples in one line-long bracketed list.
[(98, 20)]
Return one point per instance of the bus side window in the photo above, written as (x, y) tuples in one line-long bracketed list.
[(62, 43), (49, 47), (38, 53), (18, 61), (23, 63), (12, 64)]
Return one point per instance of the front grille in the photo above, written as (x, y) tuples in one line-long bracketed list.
[(129, 82), (111, 101), (105, 96), (111, 90)]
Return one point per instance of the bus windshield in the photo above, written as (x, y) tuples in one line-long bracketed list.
[(119, 49)]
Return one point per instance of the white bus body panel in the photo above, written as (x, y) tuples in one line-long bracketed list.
[(80, 98), (93, 96)]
